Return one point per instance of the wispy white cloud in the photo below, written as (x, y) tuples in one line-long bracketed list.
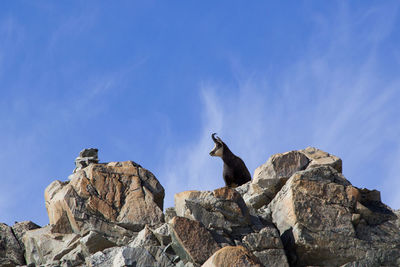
[(342, 106)]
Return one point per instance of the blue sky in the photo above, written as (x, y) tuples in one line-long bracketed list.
[(150, 81)]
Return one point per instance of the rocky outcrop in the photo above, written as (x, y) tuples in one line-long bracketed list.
[(299, 210), (116, 198), (320, 216), (102, 205)]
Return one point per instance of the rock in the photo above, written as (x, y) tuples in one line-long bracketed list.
[(372, 209), (44, 247), (145, 239), (130, 256), (267, 238), (86, 157), (272, 257), (314, 214), (19, 229), (191, 240), (267, 246), (272, 175), (169, 213), (11, 253), (94, 242), (320, 158), (163, 234), (232, 256), (116, 199), (222, 208)]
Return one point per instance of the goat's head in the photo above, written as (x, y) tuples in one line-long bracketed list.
[(218, 149)]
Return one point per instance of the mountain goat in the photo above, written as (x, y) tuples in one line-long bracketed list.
[(235, 172)]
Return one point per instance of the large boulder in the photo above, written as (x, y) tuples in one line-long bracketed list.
[(221, 209), (114, 198), (11, 253), (191, 240), (269, 178), (232, 256), (317, 214)]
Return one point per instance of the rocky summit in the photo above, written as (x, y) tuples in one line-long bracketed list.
[(298, 210)]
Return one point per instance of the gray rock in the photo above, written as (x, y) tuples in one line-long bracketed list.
[(272, 257), (267, 238), (44, 247), (130, 256), (267, 246), (11, 253), (19, 229), (222, 208), (169, 213), (86, 157), (145, 239), (95, 241), (163, 234)]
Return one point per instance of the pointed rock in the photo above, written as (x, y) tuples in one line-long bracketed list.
[(272, 175)]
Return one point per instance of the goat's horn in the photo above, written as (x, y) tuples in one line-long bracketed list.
[(213, 137)]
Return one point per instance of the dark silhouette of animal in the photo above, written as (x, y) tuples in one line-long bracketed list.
[(235, 171)]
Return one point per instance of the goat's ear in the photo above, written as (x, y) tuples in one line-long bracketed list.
[(219, 140)]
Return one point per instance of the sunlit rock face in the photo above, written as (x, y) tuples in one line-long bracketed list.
[(116, 193)]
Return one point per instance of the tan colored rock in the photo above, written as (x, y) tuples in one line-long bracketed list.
[(191, 240), (222, 208), (269, 178), (113, 194), (232, 256), (282, 165), (314, 213), (322, 158)]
